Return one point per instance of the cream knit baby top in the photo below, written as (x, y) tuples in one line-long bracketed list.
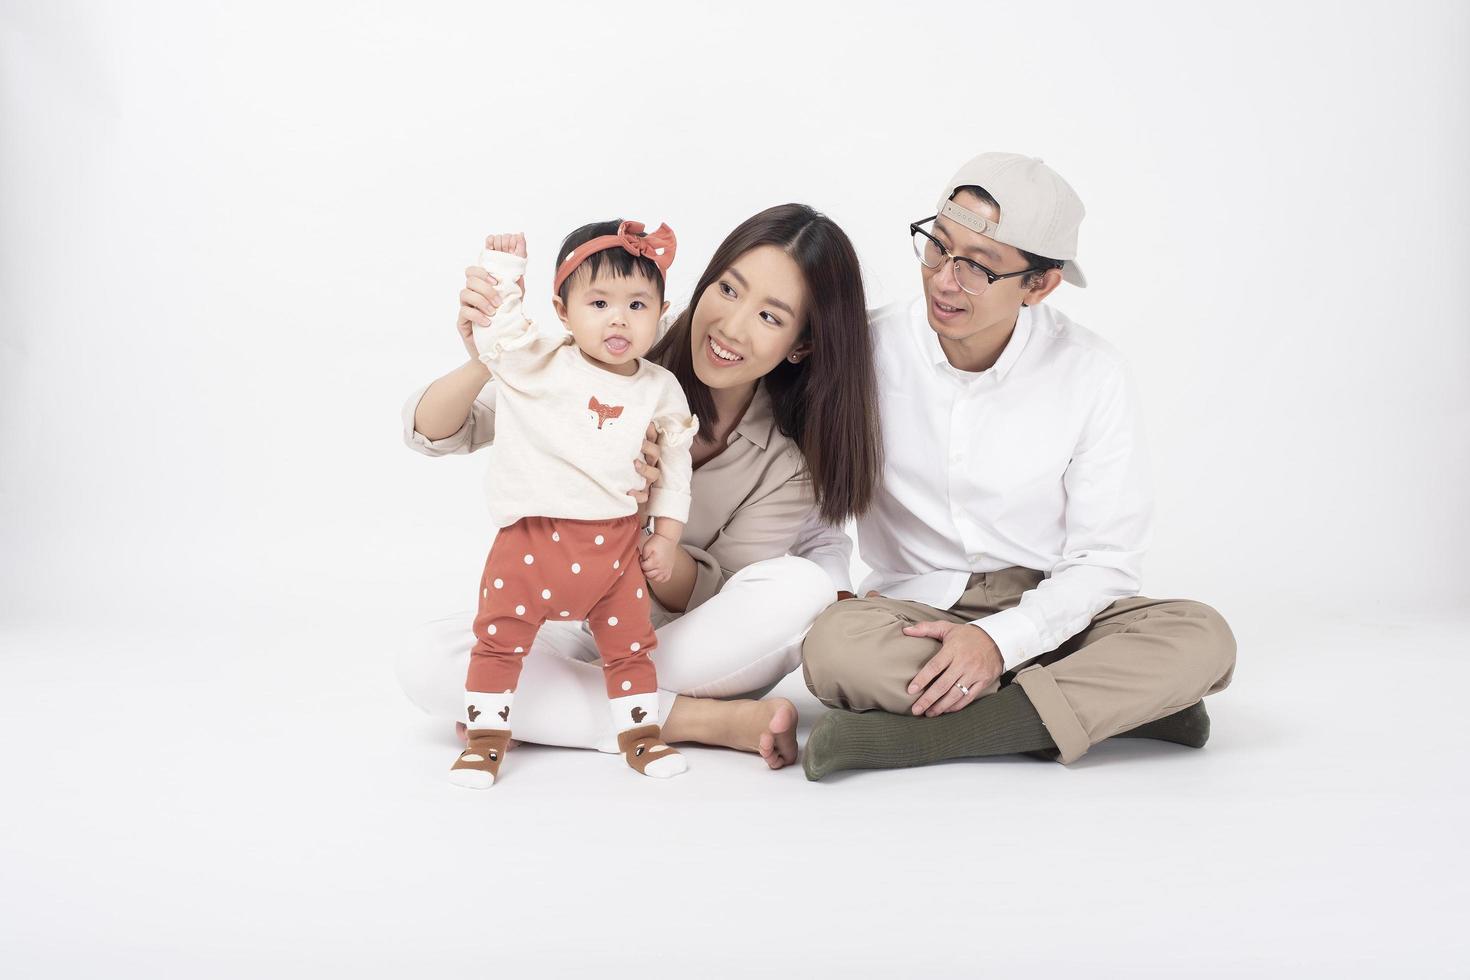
[(566, 431)]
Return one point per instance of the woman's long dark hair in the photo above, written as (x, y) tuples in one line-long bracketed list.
[(827, 403)]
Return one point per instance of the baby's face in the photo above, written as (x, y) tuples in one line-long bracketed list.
[(614, 319)]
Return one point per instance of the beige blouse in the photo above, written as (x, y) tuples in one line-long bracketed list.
[(751, 502)]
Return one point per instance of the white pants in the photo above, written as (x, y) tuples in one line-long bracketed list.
[(742, 640)]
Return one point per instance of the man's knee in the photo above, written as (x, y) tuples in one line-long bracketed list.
[(850, 652), (821, 650), (831, 653), (1208, 640)]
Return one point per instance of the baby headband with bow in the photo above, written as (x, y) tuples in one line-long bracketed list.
[(658, 246)]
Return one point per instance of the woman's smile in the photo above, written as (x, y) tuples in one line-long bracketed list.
[(721, 355)]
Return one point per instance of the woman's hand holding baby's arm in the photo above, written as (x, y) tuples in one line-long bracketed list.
[(478, 301), (647, 468), (442, 410)]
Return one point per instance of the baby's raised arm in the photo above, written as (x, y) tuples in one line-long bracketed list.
[(447, 405), (507, 329)]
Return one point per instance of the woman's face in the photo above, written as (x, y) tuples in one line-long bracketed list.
[(749, 319)]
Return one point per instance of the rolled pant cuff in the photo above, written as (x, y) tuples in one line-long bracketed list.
[(1056, 714)]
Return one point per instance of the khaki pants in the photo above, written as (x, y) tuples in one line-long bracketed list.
[(1139, 660)]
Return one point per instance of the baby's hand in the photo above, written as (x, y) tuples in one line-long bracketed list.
[(656, 554), (514, 243)]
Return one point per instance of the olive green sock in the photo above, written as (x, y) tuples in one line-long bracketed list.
[(1001, 724), (1188, 726)]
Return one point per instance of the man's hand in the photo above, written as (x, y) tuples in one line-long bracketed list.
[(967, 656)]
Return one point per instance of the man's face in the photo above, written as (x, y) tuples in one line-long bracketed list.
[(955, 314)]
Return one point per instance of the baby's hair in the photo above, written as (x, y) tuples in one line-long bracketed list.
[(617, 262)]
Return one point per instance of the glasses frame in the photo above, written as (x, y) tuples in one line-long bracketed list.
[(991, 278)]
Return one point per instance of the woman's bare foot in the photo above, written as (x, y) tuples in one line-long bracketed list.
[(777, 744), (767, 728)]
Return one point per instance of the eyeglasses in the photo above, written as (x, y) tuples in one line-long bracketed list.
[(972, 277)]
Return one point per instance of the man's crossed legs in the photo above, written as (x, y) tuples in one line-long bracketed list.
[(1138, 670)]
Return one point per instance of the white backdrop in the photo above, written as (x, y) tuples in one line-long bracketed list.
[(232, 242), (230, 246)]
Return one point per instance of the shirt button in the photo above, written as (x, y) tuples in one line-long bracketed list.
[(956, 457)]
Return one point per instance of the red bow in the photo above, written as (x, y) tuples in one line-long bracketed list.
[(659, 247)]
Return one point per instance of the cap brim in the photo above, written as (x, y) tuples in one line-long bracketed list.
[(1072, 272)]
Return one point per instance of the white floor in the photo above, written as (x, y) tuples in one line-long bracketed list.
[(243, 803)]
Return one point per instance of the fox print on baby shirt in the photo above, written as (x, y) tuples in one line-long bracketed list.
[(604, 415)]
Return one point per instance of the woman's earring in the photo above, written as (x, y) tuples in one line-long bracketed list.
[(794, 358)]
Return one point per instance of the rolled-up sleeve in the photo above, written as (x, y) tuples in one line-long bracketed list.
[(709, 577), (477, 432)]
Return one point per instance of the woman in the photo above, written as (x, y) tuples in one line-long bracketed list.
[(775, 358)]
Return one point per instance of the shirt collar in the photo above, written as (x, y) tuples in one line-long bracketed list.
[(1019, 336), (1008, 357), (759, 420)]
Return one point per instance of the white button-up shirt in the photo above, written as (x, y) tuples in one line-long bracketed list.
[(1038, 461)]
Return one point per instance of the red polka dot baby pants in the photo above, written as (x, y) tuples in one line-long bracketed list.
[(544, 568)]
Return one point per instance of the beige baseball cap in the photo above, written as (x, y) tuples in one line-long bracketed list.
[(1039, 211)]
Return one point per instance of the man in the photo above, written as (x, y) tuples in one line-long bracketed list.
[(1007, 538)]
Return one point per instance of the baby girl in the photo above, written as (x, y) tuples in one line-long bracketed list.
[(572, 411)]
